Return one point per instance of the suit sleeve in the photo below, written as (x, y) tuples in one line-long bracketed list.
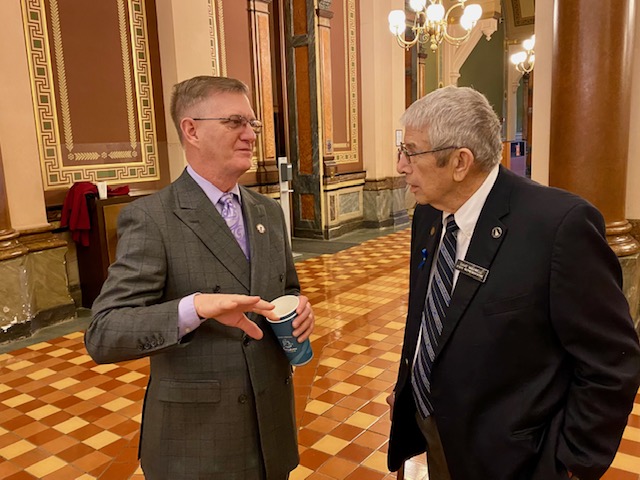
[(130, 318), (591, 317)]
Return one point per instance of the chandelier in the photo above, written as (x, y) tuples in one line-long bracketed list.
[(524, 60), (432, 22)]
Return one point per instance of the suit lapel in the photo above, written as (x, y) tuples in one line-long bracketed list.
[(196, 212), (483, 248), (428, 239), (258, 235)]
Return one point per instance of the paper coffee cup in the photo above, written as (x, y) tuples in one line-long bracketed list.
[(297, 353), (102, 190)]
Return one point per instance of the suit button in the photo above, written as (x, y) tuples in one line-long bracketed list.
[(287, 380), (242, 398), (246, 340), (147, 346)]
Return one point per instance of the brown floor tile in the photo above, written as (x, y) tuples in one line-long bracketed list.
[(364, 473), (337, 468), (313, 459)]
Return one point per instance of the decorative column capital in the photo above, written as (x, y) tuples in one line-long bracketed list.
[(323, 9)]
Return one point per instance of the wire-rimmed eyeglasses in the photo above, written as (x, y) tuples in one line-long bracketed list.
[(236, 121), (402, 151)]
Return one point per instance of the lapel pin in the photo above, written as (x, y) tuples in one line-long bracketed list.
[(260, 228), (424, 258), (496, 232), (433, 231)]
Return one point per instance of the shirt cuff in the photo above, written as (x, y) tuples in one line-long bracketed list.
[(188, 319)]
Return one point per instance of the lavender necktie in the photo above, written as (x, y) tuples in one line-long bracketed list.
[(233, 216)]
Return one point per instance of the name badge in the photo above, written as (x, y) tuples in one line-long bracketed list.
[(472, 270)]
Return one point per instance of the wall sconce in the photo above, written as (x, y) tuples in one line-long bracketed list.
[(525, 60)]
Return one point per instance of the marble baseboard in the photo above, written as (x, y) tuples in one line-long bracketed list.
[(35, 292), (384, 208), (631, 285)]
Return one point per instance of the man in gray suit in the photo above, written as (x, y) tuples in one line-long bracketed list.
[(191, 260)]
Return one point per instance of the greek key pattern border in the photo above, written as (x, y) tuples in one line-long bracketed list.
[(351, 63), (216, 25), (54, 173)]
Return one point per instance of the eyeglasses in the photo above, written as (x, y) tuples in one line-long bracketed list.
[(402, 151), (237, 121)]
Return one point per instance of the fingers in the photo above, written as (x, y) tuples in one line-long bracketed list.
[(250, 328), (304, 323)]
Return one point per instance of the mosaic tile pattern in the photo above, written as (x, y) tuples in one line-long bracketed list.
[(64, 417)]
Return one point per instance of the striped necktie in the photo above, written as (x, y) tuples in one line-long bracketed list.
[(433, 316)]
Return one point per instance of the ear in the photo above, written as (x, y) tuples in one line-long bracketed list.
[(189, 130), (462, 161)]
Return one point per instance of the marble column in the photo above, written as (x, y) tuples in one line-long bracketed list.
[(9, 245), (590, 106)]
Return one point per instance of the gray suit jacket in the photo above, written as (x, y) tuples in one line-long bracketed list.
[(219, 405)]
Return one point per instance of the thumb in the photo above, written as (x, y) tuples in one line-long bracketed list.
[(250, 328)]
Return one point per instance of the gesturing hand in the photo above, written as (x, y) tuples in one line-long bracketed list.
[(230, 310)]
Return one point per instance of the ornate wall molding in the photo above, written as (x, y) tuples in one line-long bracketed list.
[(216, 32), (349, 152), (63, 160)]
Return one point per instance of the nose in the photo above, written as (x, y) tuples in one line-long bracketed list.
[(248, 134), (402, 165)]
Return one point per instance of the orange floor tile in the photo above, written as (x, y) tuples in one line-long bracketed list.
[(64, 417)]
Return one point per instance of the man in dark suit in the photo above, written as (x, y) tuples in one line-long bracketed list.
[(520, 360), (191, 259)]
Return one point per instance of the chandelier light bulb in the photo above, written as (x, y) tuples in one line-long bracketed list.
[(518, 57), (529, 43), (532, 59), (417, 5), (435, 12), (466, 22), (397, 21), (474, 12)]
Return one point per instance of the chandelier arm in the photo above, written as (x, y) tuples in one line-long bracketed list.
[(451, 38), (406, 44)]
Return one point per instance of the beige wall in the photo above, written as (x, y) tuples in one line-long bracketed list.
[(542, 92), (185, 51), (382, 63), (18, 137)]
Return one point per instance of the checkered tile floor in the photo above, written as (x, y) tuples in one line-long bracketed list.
[(63, 417)]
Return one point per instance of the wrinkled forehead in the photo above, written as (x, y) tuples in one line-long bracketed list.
[(224, 104), (416, 136)]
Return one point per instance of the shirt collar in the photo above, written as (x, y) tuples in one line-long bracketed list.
[(210, 190), (467, 215)]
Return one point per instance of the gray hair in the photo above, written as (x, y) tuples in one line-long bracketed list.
[(458, 116), (194, 90)]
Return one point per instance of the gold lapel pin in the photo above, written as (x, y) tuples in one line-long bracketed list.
[(260, 228), (433, 231), (496, 232)]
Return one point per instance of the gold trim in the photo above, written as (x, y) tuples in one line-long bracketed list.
[(223, 45), (213, 34), (124, 47), (54, 173), (62, 74), (351, 155)]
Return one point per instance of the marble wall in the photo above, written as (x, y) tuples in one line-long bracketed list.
[(35, 292)]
